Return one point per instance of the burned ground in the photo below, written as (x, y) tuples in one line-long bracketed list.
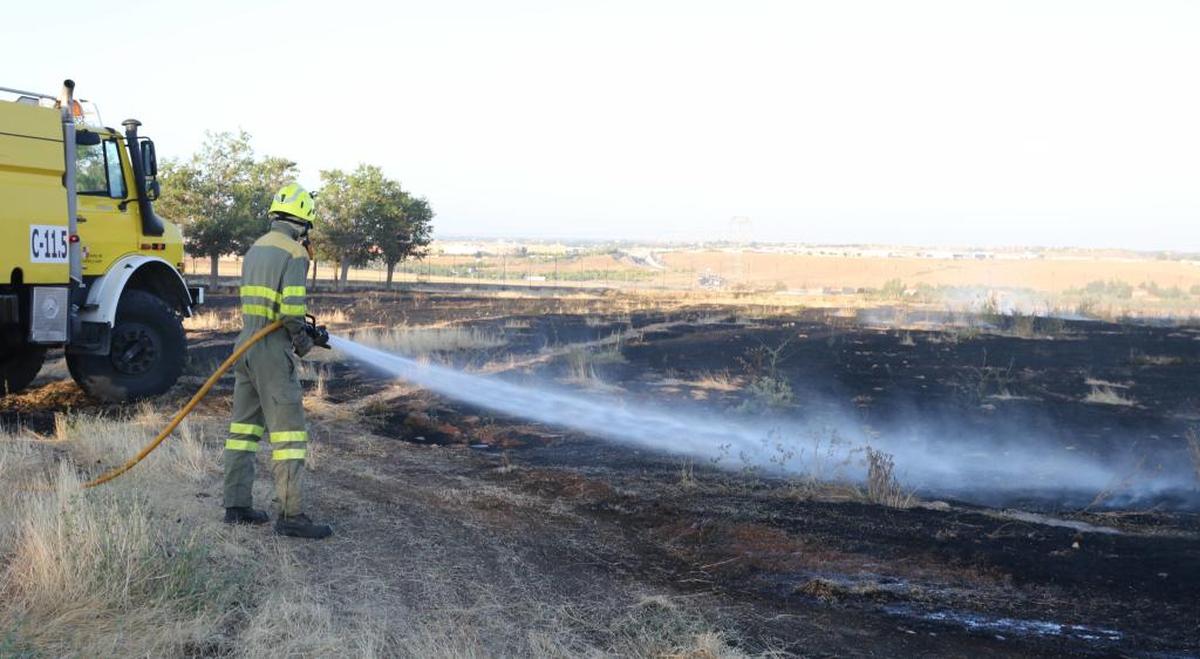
[(521, 513)]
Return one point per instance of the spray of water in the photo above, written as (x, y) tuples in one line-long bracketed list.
[(945, 462)]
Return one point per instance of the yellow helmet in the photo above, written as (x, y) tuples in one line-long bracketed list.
[(292, 199)]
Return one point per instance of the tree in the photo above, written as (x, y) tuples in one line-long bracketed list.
[(401, 228), (342, 233), (364, 215), (221, 194)]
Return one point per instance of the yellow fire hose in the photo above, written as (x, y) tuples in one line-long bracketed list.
[(186, 409)]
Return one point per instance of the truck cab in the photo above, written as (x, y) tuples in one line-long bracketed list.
[(85, 262)]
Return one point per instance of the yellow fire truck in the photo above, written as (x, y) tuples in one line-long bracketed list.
[(84, 261)]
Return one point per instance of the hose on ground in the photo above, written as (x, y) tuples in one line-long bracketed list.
[(186, 409)]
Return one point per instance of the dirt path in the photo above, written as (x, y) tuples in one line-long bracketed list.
[(441, 533)]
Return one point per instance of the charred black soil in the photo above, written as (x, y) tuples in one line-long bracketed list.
[(1097, 574)]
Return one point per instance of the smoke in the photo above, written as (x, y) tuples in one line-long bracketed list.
[(945, 460)]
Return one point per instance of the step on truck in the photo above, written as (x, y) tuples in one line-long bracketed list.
[(85, 263)]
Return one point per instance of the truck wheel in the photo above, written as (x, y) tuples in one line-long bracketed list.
[(146, 354), (19, 365)]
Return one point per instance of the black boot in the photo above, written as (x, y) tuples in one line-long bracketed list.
[(300, 526), (242, 515)]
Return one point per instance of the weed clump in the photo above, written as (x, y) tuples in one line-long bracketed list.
[(768, 388), (767, 392), (1107, 395), (882, 486)]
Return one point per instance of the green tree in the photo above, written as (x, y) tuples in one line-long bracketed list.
[(342, 232), (401, 229), (366, 215), (220, 195)]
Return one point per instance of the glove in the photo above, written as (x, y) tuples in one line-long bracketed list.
[(301, 343)]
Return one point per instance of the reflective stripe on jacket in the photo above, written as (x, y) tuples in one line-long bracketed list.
[(273, 274)]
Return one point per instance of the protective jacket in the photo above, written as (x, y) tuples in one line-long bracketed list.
[(267, 397)]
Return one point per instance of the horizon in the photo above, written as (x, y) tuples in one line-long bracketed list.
[(725, 242)]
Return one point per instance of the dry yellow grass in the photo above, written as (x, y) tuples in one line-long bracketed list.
[(332, 317), (419, 341), (1108, 395), (143, 567), (1054, 273), (105, 572), (719, 381), (212, 321)]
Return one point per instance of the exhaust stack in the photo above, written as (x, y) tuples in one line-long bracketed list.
[(66, 105), (152, 225)]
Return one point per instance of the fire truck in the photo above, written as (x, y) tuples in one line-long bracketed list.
[(85, 263)]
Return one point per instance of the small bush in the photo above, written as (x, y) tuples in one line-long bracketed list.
[(882, 486), (1112, 289), (892, 289), (1023, 326), (412, 341), (767, 392)]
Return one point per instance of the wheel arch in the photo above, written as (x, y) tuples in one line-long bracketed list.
[(136, 272)]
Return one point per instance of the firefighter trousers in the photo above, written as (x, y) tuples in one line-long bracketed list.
[(267, 404)]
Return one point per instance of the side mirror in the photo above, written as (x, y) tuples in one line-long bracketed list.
[(86, 138), (153, 190), (149, 159)]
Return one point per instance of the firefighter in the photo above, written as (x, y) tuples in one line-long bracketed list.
[(267, 399)]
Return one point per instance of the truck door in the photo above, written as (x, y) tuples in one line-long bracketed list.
[(107, 226)]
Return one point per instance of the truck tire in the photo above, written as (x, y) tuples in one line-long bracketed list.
[(19, 365), (146, 354)]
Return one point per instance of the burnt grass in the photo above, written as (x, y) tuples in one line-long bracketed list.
[(811, 570), (957, 568)]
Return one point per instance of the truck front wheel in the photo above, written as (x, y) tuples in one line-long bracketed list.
[(19, 365), (146, 354)]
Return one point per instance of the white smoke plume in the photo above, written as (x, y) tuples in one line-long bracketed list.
[(931, 459)]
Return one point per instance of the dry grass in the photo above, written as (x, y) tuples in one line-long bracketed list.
[(332, 317), (687, 474), (1138, 358), (1193, 440), (718, 381), (1108, 395), (418, 341), (143, 567), (212, 321), (110, 571), (882, 486), (583, 360)]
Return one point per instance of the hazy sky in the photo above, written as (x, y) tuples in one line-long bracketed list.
[(840, 121)]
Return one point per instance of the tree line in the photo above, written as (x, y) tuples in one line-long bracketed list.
[(220, 195)]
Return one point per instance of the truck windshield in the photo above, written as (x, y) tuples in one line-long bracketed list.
[(98, 170)]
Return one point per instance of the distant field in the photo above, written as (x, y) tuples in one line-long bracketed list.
[(1105, 284), (1051, 275)]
